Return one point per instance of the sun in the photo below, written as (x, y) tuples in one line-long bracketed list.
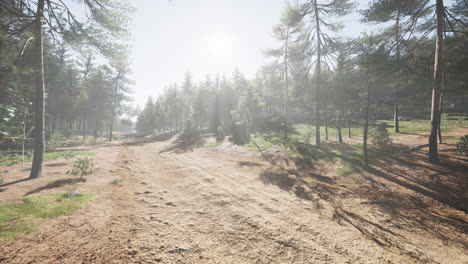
[(219, 45)]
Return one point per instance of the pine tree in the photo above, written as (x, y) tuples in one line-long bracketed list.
[(318, 42)]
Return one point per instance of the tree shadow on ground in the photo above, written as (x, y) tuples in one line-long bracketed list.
[(61, 164), (55, 184), (249, 164), (404, 190), (311, 187), (15, 182)]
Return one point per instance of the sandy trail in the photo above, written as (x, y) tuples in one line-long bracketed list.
[(221, 206), (208, 206)]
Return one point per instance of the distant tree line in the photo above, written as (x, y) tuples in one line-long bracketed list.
[(318, 78), (63, 66)]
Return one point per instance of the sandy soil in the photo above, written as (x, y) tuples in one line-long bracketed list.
[(225, 205)]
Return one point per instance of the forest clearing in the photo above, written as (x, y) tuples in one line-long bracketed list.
[(266, 131), (228, 204)]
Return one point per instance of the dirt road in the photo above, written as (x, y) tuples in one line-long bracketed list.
[(222, 206)]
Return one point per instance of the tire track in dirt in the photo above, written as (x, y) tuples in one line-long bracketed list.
[(207, 209)]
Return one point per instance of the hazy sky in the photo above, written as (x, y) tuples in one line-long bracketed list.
[(204, 36)]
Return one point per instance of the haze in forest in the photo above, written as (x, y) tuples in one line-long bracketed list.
[(233, 131), (205, 37)]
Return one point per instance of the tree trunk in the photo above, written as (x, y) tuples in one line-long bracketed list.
[(66, 127), (340, 136), (436, 89), (325, 121), (396, 116), (96, 130), (366, 123), (441, 108), (39, 137), (111, 127), (349, 123), (318, 70), (84, 125), (114, 105), (286, 90), (396, 122)]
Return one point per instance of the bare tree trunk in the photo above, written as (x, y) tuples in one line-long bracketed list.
[(111, 127), (366, 123), (349, 123), (114, 106), (318, 70), (39, 135), (340, 136), (396, 122), (441, 108), (439, 131), (84, 125), (286, 91), (436, 89), (396, 116), (96, 130), (325, 121)]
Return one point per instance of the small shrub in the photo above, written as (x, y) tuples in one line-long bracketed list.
[(69, 155), (189, 137), (380, 138), (56, 140), (307, 136), (83, 167), (1, 181), (9, 159), (462, 145), (220, 134), (239, 134), (117, 181)]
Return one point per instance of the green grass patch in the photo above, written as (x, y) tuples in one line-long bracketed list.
[(451, 139), (347, 159), (24, 216), (96, 141), (306, 133), (212, 144), (418, 125), (61, 154), (12, 159)]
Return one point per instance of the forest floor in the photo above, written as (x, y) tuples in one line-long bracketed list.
[(231, 205)]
